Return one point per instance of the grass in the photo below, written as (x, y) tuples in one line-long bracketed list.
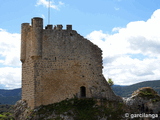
[(2, 116), (6, 116)]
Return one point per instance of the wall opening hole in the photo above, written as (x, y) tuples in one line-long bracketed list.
[(71, 34), (83, 91)]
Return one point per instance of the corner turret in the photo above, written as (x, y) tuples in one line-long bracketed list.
[(24, 30), (37, 33)]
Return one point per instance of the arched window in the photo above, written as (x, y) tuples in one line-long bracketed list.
[(83, 92)]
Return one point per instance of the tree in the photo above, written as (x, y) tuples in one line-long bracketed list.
[(110, 82)]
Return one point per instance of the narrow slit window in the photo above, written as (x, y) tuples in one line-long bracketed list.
[(83, 92)]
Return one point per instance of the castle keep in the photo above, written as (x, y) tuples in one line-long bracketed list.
[(58, 64)]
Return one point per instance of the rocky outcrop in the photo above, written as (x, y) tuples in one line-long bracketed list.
[(144, 100), (21, 110)]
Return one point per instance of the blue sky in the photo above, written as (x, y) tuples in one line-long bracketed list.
[(126, 30), (85, 16)]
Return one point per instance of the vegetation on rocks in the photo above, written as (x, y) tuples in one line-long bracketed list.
[(6, 112), (79, 109), (144, 100), (146, 92), (6, 116), (110, 82), (6, 108)]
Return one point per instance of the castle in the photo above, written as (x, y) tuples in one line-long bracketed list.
[(58, 64)]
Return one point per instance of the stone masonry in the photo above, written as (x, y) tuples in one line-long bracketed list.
[(58, 64)]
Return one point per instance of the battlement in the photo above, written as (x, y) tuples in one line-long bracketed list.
[(35, 33), (37, 22)]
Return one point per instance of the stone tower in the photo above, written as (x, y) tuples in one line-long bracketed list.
[(58, 64)]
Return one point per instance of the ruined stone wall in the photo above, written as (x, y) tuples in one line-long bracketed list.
[(58, 63)]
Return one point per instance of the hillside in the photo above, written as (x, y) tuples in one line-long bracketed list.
[(10, 96), (126, 91)]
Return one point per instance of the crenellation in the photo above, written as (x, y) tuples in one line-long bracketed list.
[(69, 27), (50, 27), (59, 27)]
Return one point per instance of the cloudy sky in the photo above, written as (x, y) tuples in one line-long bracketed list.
[(128, 32)]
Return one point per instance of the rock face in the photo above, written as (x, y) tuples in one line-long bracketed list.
[(144, 100), (20, 110), (58, 64)]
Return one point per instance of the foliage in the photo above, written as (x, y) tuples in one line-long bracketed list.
[(6, 112), (156, 100), (6, 116), (147, 92), (110, 82), (6, 108)]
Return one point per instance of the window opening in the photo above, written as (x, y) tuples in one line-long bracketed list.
[(83, 91)]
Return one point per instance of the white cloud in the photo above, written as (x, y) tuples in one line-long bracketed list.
[(10, 56), (140, 38), (45, 3), (9, 48), (43, 16), (116, 8), (10, 77), (61, 3), (116, 29)]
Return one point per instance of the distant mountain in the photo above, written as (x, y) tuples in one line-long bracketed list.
[(119, 85), (126, 91), (10, 96)]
